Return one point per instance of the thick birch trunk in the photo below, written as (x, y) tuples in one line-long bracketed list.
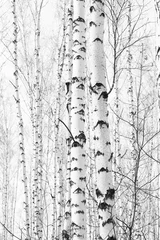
[(105, 192), (78, 177)]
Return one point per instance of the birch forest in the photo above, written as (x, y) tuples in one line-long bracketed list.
[(80, 120)]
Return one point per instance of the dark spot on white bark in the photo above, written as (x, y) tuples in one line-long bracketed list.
[(98, 193), (80, 212), (92, 9), (111, 238), (104, 95), (98, 153), (80, 112), (103, 170), (65, 235), (81, 86), (82, 179), (91, 23), (101, 123), (83, 49), (78, 57), (110, 194), (79, 19), (78, 190), (104, 206), (111, 156), (75, 79), (108, 143), (77, 169), (102, 15), (74, 159), (98, 40), (84, 201), (81, 137)]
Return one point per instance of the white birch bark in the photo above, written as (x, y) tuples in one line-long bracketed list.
[(68, 74), (37, 193), (21, 125), (78, 177), (105, 191)]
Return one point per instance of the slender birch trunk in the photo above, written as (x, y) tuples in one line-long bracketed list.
[(68, 72), (21, 125), (105, 191), (78, 175), (37, 193)]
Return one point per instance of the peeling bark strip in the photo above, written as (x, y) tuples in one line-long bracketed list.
[(105, 192), (78, 209), (21, 129)]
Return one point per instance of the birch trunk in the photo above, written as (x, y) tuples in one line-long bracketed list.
[(68, 72), (105, 191), (78, 177), (21, 125)]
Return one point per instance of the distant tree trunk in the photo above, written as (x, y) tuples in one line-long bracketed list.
[(78, 175), (21, 126), (105, 191)]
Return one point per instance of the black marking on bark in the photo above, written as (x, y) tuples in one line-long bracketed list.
[(81, 86), (80, 98), (93, 90), (65, 235), (83, 155), (74, 159), (108, 143), (100, 1), (102, 15), (83, 49), (100, 217), (104, 206), (78, 190), (92, 8), (84, 201), (80, 212), (110, 220), (112, 238), (74, 205), (98, 40), (76, 144), (96, 138), (75, 79), (80, 112), (98, 86), (103, 170), (74, 225), (78, 57), (76, 42), (110, 194), (104, 95), (68, 84), (98, 193), (101, 123), (77, 169), (82, 105), (67, 214), (111, 156), (79, 19), (91, 23), (81, 137), (98, 153), (71, 183), (82, 179)]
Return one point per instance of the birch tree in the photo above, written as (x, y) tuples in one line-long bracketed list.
[(77, 123), (21, 126), (105, 191)]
